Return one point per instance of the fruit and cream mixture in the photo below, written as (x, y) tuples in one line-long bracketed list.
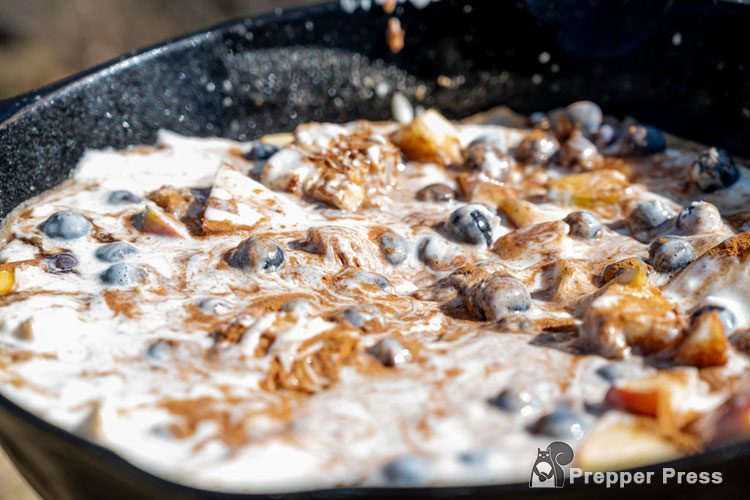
[(426, 303)]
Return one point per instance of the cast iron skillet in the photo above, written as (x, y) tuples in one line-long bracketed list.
[(267, 74)]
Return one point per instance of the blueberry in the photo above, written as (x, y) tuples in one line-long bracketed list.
[(160, 351), (609, 373), (583, 224), (63, 262), (409, 470), (698, 217), (499, 296), (122, 197), (115, 251), (537, 148), (669, 254), (214, 306), (605, 136), (432, 250), (261, 151), (123, 274), (489, 159), (390, 352), (726, 316), (514, 402), (562, 424), (487, 139), (713, 170), (66, 225), (648, 219), (475, 458), (394, 247), (540, 120), (359, 316), (436, 193), (586, 116), (470, 224), (257, 253), (644, 140)]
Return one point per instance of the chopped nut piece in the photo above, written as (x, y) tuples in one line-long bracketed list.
[(394, 35), (279, 140), (389, 6)]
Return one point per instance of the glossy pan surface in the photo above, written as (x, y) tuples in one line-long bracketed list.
[(324, 63)]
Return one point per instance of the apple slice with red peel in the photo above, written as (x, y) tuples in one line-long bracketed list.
[(673, 398), (154, 221), (706, 344), (729, 422), (640, 400)]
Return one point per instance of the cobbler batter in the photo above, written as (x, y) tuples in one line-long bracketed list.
[(381, 304)]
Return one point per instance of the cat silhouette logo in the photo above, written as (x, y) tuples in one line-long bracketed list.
[(548, 469)]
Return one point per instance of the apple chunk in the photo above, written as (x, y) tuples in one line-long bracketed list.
[(624, 445), (7, 279), (587, 189), (673, 398), (706, 344), (640, 400), (429, 137), (729, 422), (154, 221)]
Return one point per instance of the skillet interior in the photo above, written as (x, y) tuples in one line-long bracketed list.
[(252, 77)]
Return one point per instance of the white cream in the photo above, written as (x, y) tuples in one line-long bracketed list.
[(99, 373)]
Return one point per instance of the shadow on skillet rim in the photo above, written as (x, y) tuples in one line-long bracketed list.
[(61, 465)]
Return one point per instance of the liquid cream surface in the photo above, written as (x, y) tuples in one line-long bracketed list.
[(257, 379)]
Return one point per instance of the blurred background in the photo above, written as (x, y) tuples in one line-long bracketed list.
[(44, 40)]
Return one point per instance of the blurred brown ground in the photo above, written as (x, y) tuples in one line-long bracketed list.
[(44, 40)]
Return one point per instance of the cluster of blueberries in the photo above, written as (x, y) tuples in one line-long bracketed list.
[(68, 225), (670, 253)]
